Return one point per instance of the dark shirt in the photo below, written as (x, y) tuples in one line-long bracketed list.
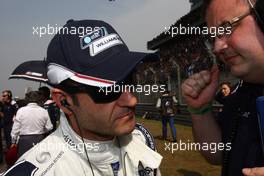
[(1, 118), (1, 106), (54, 114), (9, 111), (220, 98), (167, 106), (246, 149)]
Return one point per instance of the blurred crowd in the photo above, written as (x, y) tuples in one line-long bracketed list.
[(25, 122)]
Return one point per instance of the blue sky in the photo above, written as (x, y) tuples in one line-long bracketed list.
[(137, 21)]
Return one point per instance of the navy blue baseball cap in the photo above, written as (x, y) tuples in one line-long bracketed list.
[(90, 52)]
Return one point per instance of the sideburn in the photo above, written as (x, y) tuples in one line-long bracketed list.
[(75, 100)]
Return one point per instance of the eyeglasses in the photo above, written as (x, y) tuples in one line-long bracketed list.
[(229, 26), (234, 22), (97, 94)]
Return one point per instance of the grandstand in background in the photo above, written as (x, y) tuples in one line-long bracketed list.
[(181, 55)]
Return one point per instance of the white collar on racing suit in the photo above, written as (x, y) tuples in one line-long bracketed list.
[(105, 152), (98, 151)]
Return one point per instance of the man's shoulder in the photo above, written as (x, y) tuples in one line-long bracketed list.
[(144, 135), (40, 109), (40, 158), (244, 91), (30, 107), (10, 107), (143, 143), (22, 168), (166, 97), (21, 109)]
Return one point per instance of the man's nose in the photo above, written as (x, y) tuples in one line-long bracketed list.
[(127, 99), (220, 44)]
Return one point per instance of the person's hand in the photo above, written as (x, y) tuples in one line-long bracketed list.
[(200, 88), (257, 171)]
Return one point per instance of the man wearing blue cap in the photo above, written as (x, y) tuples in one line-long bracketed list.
[(97, 133)]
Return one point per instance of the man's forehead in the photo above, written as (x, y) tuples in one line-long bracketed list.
[(224, 10)]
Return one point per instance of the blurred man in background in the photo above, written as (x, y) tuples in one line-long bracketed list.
[(166, 104), (9, 110), (50, 106)]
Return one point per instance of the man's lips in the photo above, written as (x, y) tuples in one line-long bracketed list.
[(129, 113), (228, 59)]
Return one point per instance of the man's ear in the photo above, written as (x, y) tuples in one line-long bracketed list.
[(59, 96)]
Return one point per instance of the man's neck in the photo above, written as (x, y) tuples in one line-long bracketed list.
[(96, 137), (87, 134)]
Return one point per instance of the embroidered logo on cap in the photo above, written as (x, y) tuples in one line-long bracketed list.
[(99, 41), (89, 38)]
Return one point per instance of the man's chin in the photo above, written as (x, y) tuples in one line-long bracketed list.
[(238, 72), (126, 128)]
